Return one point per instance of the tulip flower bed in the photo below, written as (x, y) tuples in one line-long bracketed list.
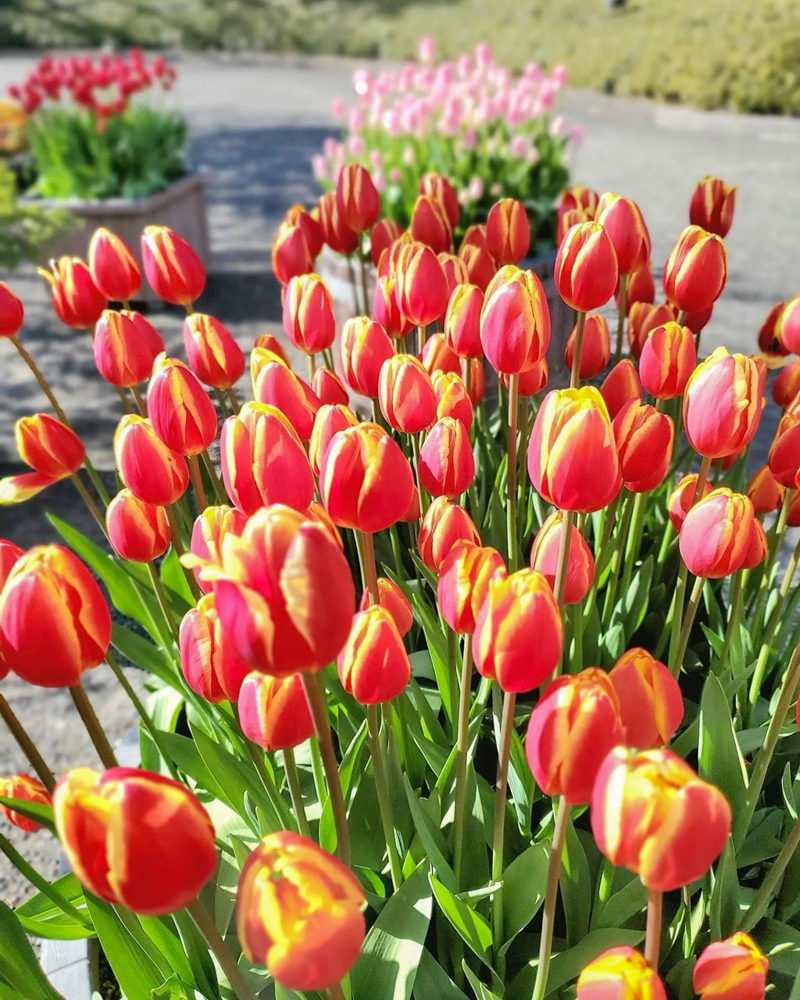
[(459, 700)]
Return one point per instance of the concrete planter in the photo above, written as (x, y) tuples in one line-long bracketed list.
[(181, 206)]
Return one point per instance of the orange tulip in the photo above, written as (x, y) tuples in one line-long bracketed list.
[(328, 422), (77, 301), (712, 205), (173, 268), (462, 321), (444, 525), (118, 825), (716, 534), (406, 394), (12, 313), (393, 600), (328, 387), (596, 349), (208, 534), (623, 222), (722, 404), (263, 460), (518, 635), (574, 725), (682, 499), (544, 558), (299, 912), (697, 270), (374, 666), (508, 231), (464, 578), (430, 225), (29, 789), (291, 253), (620, 974), (572, 457), (446, 460), (421, 291), (54, 621), (439, 187), (382, 235), (337, 235), (644, 317), (453, 399), (125, 347), (644, 440), (620, 386), (515, 321), (308, 317), (650, 699), (208, 662), (733, 969), (586, 269), (153, 472), (357, 198), (137, 531), (365, 480), (114, 269), (668, 358), (653, 815), (277, 386), (179, 408), (363, 348), (213, 354), (765, 491), (274, 712)]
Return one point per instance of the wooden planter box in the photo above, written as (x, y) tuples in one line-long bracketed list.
[(181, 206)]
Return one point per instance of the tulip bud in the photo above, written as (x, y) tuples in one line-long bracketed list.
[(274, 712), (722, 404), (277, 386), (406, 394), (138, 531), (208, 662), (668, 358), (620, 386), (650, 699), (430, 225), (481, 266), (357, 198), (387, 262), (464, 577), (653, 815), (787, 384), (586, 269), (437, 356), (515, 321), (174, 270), (179, 408), (572, 456), (383, 234), (508, 231), (125, 347), (462, 321), (269, 342), (54, 621), (474, 377), (698, 319), (784, 453), (48, 446), (453, 398), (596, 349), (329, 421), (329, 388), (9, 553), (298, 215), (308, 318), (641, 287), (392, 598), (733, 969), (447, 463), (768, 341), (644, 440), (153, 472), (544, 558), (757, 547), (209, 531), (114, 269), (715, 534), (620, 973), (444, 525), (421, 291), (363, 349), (765, 491), (578, 196), (644, 317), (12, 313), (787, 327), (117, 825), (571, 217), (712, 205), (697, 270), (77, 301), (531, 381), (683, 498), (316, 891), (365, 480), (574, 725), (518, 635), (374, 666), (338, 236), (623, 222), (438, 186), (29, 789), (386, 310), (455, 271), (291, 253), (284, 593), (263, 461), (214, 356)]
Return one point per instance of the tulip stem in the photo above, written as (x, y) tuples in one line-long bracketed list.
[(364, 283), (44, 887), (423, 496), (652, 945), (215, 941), (575, 375), (26, 745), (163, 602), (769, 563), (224, 405), (733, 621), (772, 627), (197, 482), (93, 727), (312, 366), (616, 560), (498, 837), (319, 712), (623, 311), (86, 496), (336, 992), (634, 539), (422, 335), (177, 544), (764, 894), (123, 398), (352, 273), (384, 802), (365, 544), (462, 748), (551, 898), (234, 400), (511, 471), (688, 622), (293, 781), (144, 715), (562, 567), (219, 489), (140, 401)]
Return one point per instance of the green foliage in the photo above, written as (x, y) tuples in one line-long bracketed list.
[(26, 229)]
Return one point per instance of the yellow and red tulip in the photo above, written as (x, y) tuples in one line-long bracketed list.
[(733, 969), (650, 699), (152, 471), (208, 662), (113, 266), (213, 354), (274, 712), (125, 347), (173, 268), (722, 404), (374, 665), (696, 271), (544, 558), (586, 270), (77, 301), (444, 525), (712, 205), (620, 974), (137, 531), (28, 789), (179, 409)]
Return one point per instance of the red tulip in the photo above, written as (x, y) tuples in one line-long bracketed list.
[(515, 321), (125, 347), (406, 394), (357, 198), (12, 313), (716, 534), (173, 269), (114, 269), (308, 317), (447, 463), (373, 665), (444, 525), (393, 600), (722, 404), (274, 712), (544, 558), (712, 205), (508, 231), (697, 270), (180, 411), (586, 269), (668, 358), (213, 354), (650, 699), (623, 222), (152, 471), (596, 350), (362, 351), (78, 302), (137, 531), (620, 386), (208, 662)]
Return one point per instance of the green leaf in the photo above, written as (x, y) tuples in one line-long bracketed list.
[(724, 912), (42, 918), (524, 887), (719, 758), (433, 983), (472, 927), (392, 951), (632, 606), (19, 968), (431, 839), (174, 989), (135, 971), (145, 654), (576, 886), (624, 904), (39, 812), (174, 579)]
